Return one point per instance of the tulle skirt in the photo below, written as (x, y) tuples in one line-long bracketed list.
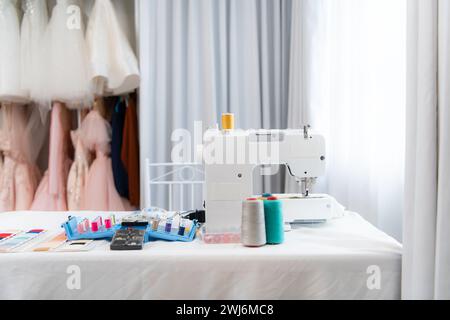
[(10, 89), (34, 24), (21, 136), (114, 65), (45, 199), (18, 182), (65, 63), (100, 193)]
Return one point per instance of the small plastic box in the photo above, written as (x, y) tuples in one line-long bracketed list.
[(107, 234), (71, 228)]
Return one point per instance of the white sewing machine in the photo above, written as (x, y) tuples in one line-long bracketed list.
[(231, 158)]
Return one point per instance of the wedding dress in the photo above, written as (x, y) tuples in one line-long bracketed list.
[(100, 193), (51, 194), (19, 175), (78, 174), (34, 24), (64, 56), (114, 65), (10, 89)]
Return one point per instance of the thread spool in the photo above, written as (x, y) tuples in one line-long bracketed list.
[(87, 224), (80, 228), (253, 230), (108, 223), (273, 212), (94, 226), (228, 121)]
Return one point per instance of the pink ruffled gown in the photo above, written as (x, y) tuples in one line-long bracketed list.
[(100, 193), (51, 193), (18, 176)]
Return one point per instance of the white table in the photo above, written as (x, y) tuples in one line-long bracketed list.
[(343, 259)]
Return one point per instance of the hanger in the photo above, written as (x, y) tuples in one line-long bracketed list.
[(125, 98), (78, 118), (99, 106)]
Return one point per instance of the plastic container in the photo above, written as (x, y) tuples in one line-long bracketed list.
[(107, 234), (221, 238), (152, 235), (72, 233)]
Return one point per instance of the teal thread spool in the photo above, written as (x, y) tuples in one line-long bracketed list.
[(273, 213)]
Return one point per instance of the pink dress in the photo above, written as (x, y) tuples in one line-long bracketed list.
[(18, 174), (51, 194), (78, 173), (100, 193)]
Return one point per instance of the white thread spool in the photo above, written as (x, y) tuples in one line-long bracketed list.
[(253, 232)]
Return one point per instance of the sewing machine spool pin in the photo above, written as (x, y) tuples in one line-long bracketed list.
[(306, 131)]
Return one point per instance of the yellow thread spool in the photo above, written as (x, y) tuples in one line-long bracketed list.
[(228, 121)]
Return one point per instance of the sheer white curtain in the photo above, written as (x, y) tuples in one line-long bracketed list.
[(179, 83), (348, 79), (334, 66), (200, 58), (426, 257)]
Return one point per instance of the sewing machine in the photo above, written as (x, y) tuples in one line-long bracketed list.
[(231, 158)]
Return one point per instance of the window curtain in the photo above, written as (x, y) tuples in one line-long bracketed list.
[(426, 257), (347, 82), (279, 64), (201, 58)]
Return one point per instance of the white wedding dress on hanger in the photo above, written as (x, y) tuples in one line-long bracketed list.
[(10, 89), (65, 62), (114, 66), (34, 24)]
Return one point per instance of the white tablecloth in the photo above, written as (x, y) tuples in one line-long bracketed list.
[(346, 258)]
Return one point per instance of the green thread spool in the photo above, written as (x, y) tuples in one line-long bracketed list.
[(273, 213)]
